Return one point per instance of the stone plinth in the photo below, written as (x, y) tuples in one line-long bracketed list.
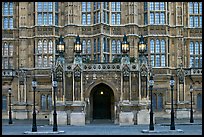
[(61, 118), (143, 117), (77, 118), (126, 118), (21, 114), (182, 113)]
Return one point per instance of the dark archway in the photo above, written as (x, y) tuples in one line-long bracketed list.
[(102, 102)]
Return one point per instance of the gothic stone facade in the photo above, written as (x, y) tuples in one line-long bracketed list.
[(125, 98)]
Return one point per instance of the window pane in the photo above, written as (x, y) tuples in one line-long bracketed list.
[(151, 6), (99, 47), (50, 6), (113, 18), (43, 102), (50, 61), (4, 103), (5, 8), (200, 21), (45, 61), (201, 48), (10, 50), (88, 6), (118, 47), (162, 18), (10, 63), (151, 18), (84, 47), (117, 6), (49, 98), (156, 5), (157, 46), (196, 61), (45, 46), (5, 23), (190, 8), (50, 19), (196, 21), (162, 46), (98, 17), (6, 49), (191, 48), (113, 47), (89, 19), (199, 102), (83, 19), (152, 60), (40, 47), (39, 6), (83, 6), (191, 62), (191, 21), (145, 6), (11, 8), (45, 19), (39, 61), (89, 47), (145, 19), (118, 18), (163, 60), (157, 60), (39, 19), (195, 8), (56, 19), (11, 23), (200, 7), (56, 6), (161, 5), (157, 18), (201, 62), (151, 46), (94, 45), (196, 48), (50, 46), (45, 6), (113, 6)]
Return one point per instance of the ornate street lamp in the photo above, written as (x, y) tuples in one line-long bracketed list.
[(60, 46), (10, 115), (77, 45), (142, 46), (191, 115), (151, 84), (125, 46), (54, 84), (34, 85), (172, 126)]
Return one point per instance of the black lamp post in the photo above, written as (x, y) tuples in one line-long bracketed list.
[(54, 84), (77, 45), (60, 46), (125, 48), (151, 83), (191, 115), (172, 126), (34, 126), (10, 114)]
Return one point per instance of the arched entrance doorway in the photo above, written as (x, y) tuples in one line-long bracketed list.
[(102, 102)]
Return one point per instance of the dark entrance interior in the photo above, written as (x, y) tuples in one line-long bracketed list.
[(102, 100)]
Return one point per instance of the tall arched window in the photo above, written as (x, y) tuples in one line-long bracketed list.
[(162, 46), (199, 102), (50, 46), (43, 102), (45, 46), (196, 48), (39, 61), (94, 45), (99, 45), (151, 46), (113, 47), (50, 61), (191, 48), (154, 101), (6, 47), (157, 46), (11, 8), (49, 101), (83, 47), (89, 46), (10, 50), (118, 47), (39, 46), (4, 103), (45, 61)]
